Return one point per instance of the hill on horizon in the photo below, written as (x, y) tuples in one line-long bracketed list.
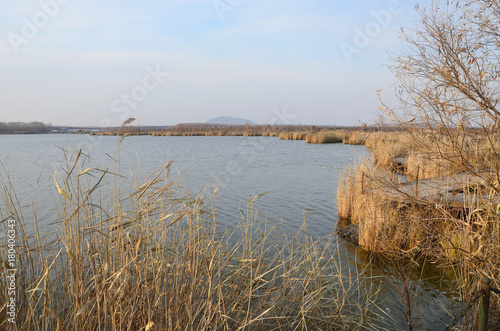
[(230, 120)]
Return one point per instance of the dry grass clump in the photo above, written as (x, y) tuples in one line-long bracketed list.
[(470, 244), (292, 135), (459, 228), (162, 134), (447, 153), (427, 154), (133, 255), (385, 147), (252, 134), (399, 229), (463, 234), (299, 135), (356, 138), (333, 137), (349, 192), (213, 134), (285, 135), (386, 225), (422, 166)]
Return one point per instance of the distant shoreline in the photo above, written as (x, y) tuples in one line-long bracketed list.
[(185, 129)]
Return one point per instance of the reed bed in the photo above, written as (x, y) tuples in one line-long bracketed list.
[(384, 225), (351, 185), (299, 135), (366, 195), (252, 134), (420, 166), (204, 129), (438, 154), (233, 134), (325, 137), (385, 147), (147, 255), (285, 135), (463, 235), (356, 138), (293, 135)]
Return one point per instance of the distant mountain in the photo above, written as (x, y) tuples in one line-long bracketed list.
[(230, 120)]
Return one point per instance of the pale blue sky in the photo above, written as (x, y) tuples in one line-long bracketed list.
[(72, 62)]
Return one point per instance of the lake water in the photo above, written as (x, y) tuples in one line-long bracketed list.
[(300, 177), (302, 180)]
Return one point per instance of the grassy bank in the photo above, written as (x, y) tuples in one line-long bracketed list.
[(131, 254), (324, 136), (425, 205), (311, 134)]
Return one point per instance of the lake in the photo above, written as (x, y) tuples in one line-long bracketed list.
[(300, 179)]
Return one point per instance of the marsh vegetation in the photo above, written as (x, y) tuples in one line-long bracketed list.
[(432, 192), (142, 253)]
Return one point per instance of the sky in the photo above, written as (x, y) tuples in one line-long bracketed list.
[(97, 63)]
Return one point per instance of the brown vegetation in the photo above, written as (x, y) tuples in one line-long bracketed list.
[(448, 96), (397, 218), (154, 259), (356, 138), (335, 137), (325, 136)]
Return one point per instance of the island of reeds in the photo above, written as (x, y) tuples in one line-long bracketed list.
[(309, 133)]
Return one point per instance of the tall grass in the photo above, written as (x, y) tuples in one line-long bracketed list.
[(131, 254), (335, 137), (385, 147), (463, 233), (356, 138), (349, 192), (292, 135), (385, 225), (407, 222)]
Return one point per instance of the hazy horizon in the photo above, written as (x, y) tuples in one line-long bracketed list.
[(163, 63)]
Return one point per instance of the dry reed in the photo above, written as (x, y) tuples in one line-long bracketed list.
[(399, 223), (386, 147), (154, 259), (356, 138), (325, 137)]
